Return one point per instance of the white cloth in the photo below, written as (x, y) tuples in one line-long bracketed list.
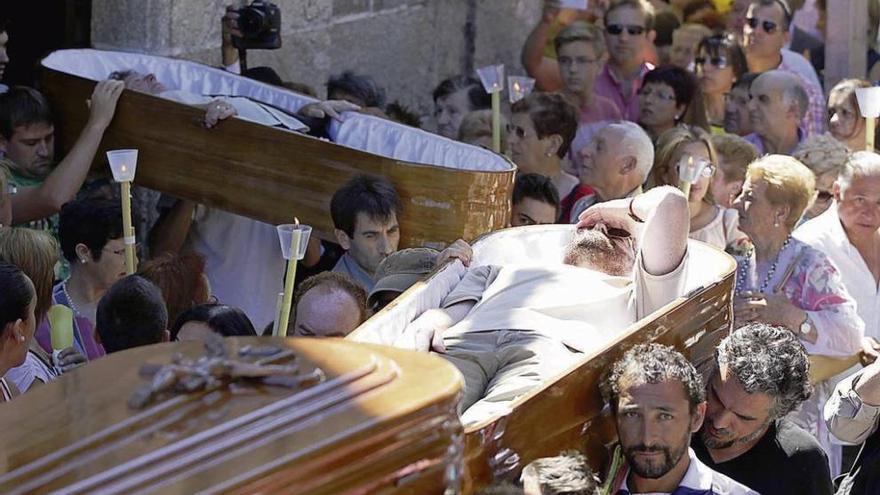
[(32, 369), (722, 230), (242, 260), (700, 478), (826, 234), (245, 108), (575, 305)]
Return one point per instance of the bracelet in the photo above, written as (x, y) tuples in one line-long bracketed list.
[(632, 214)]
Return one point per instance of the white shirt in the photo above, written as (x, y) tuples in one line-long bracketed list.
[(721, 231), (826, 234), (243, 261)]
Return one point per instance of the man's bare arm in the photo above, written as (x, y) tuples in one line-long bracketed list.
[(667, 225), (62, 184), (545, 71)]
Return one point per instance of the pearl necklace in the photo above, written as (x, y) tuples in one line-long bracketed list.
[(69, 299), (747, 261)]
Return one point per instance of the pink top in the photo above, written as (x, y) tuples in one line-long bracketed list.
[(601, 109), (608, 86)]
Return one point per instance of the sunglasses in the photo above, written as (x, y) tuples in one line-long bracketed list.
[(618, 233), (617, 29), (516, 130), (647, 91), (769, 27), (824, 196), (720, 62)]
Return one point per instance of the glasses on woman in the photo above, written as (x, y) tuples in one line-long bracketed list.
[(617, 29), (719, 61), (647, 91), (769, 27)]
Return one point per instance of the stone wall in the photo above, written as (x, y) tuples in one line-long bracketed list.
[(408, 46)]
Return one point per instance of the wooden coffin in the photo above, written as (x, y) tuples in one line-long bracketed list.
[(382, 420), (566, 412), (450, 190)]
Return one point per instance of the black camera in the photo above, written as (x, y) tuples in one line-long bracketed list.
[(260, 26)]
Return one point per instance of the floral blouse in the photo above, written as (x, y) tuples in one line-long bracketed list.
[(815, 286)]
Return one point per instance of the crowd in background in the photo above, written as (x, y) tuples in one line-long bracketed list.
[(630, 95)]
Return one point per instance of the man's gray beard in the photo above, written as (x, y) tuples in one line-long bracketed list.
[(593, 249), (712, 443)]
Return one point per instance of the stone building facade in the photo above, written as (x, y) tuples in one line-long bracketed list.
[(408, 46)]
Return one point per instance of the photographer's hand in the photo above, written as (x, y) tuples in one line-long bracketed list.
[(229, 23)]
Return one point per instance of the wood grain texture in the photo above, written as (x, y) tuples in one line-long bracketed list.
[(383, 420), (273, 175)]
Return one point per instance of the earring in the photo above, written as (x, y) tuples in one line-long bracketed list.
[(82, 261), (776, 223), (21, 338)]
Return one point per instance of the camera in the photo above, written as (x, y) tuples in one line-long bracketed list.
[(260, 26)]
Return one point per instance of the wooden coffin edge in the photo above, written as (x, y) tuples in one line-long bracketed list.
[(491, 450), (441, 204), (416, 447)]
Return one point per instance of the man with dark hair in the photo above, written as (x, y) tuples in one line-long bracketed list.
[(328, 304), (356, 88), (27, 136), (762, 374), (736, 106), (131, 314), (508, 328), (453, 99), (565, 474), (629, 32), (365, 212), (657, 401), (535, 201)]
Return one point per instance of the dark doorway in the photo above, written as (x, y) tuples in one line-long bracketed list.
[(38, 27)]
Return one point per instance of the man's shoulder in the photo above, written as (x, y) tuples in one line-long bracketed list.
[(718, 483), (818, 232), (797, 444)]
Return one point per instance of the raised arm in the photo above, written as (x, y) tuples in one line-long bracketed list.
[(544, 70), (62, 184), (664, 213)]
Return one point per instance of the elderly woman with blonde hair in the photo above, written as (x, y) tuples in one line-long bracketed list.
[(825, 156), (710, 223), (783, 281)]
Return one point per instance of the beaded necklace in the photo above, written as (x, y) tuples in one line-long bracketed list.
[(747, 261), (69, 299)]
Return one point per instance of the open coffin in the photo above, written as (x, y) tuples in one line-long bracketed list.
[(382, 420), (566, 412), (450, 190)]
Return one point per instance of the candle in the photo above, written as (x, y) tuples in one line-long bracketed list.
[(294, 238), (123, 165), (869, 106)]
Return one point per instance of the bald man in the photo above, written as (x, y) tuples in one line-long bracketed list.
[(778, 103), (330, 304)]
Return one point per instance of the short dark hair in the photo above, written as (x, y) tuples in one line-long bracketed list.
[(653, 363), (22, 106), (769, 360), (90, 221), (683, 83), (536, 186), (131, 314), (18, 293), (369, 194), (726, 45), (477, 96), (263, 74), (338, 281), (551, 113), (566, 474), (363, 87), (746, 80), (226, 321), (640, 5), (787, 14)]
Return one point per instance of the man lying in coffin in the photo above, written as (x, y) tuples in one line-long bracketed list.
[(508, 328), (218, 108)]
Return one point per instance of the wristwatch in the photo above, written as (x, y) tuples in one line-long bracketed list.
[(805, 328)]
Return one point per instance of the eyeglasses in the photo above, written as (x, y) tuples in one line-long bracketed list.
[(649, 91), (720, 62), (618, 233), (516, 130), (769, 27), (617, 29)]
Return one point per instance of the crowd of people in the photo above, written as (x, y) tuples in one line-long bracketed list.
[(652, 122)]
